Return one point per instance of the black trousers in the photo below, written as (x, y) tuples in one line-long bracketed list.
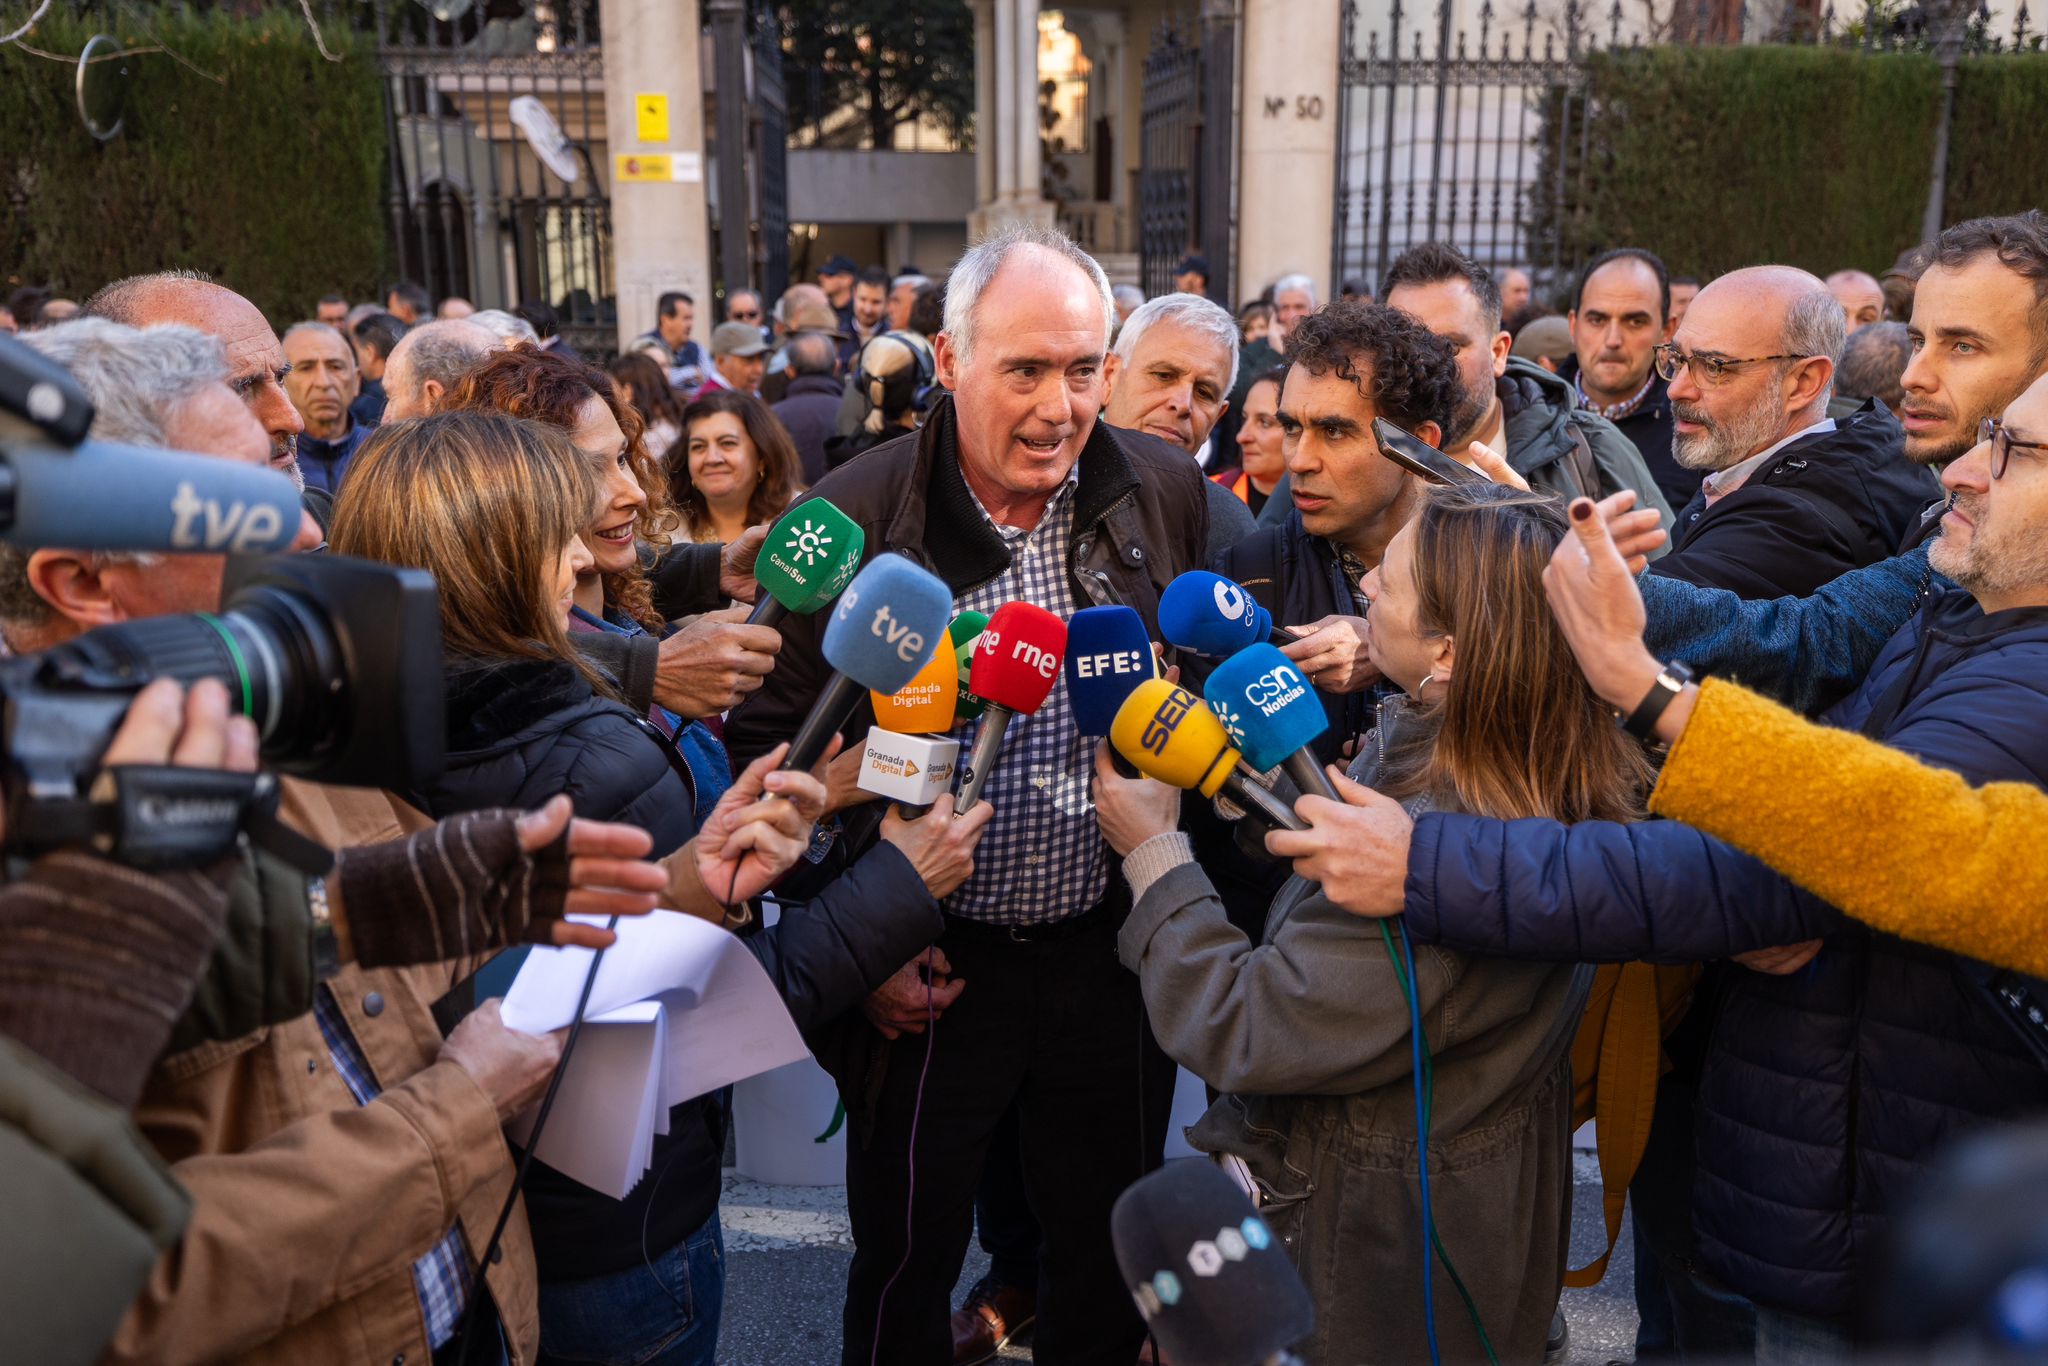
[(1051, 1021)]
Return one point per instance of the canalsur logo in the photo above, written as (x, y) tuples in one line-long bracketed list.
[(809, 543), (1232, 722)]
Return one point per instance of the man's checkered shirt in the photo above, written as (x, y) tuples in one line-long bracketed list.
[(1042, 858)]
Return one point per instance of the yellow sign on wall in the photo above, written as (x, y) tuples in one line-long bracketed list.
[(650, 112), (643, 166)]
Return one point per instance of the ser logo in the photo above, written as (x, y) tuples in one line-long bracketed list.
[(1165, 721)]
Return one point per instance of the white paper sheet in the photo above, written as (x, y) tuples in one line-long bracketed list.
[(679, 1008)]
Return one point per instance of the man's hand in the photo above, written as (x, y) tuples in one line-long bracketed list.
[(736, 565), (1782, 961), (1357, 849), (609, 873), (767, 812), (843, 791), (709, 665), (1598, 607), (166, 724), (899, 1006), (1332, 653), (1131, 810), (939, 844), (509, 1067)]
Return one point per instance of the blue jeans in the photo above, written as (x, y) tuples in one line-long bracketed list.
[(1788, 1339), (634, 1318)]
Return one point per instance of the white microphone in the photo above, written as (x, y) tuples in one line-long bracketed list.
[(911, 770)]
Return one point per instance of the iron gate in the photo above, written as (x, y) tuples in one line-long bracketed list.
[(472, 209), (1169, 174), (1439, 132)]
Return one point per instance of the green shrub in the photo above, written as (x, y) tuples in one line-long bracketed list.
[(271, 179), (1998, 142), (1723, 157)]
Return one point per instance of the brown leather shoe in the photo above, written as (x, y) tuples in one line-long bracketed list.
[(993, 1316)]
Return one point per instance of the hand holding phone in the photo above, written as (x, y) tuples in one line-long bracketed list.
[(1419, 458)]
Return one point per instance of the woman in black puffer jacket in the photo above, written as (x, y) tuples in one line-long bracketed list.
[(493, 506)]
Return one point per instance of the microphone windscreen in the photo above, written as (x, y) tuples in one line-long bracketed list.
[(1017, 659), (1213, 1283), (1109, 652), (1211, 615), (1169, 734), (100, 496), (964, 632), (1266, 704), (810, 555), (924, 705), (887, 624)]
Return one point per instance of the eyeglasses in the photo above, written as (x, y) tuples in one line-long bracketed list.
[(1707, 371), (744, 315), (2002, 442)]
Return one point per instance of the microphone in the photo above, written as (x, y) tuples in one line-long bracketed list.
[(103, 496), (965, 630), (810, 554), (1170, 735), (1109, 652), (1212, 1282), (1272, 713), (899, 761), (1211, 615), (886, 626), (1016, 662)]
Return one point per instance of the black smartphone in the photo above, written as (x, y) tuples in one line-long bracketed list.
[(1419, 458)]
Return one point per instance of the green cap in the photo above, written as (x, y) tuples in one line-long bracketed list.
[(965, 630), (810, 555)]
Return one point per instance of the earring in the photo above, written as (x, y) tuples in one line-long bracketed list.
[(1430, 678)]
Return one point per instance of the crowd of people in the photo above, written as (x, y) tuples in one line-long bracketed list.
[(1687, 767)]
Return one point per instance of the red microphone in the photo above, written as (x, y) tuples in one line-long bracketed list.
[(1016, 662)]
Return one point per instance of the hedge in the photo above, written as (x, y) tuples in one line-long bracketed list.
[(1998, 142), (271, 179)]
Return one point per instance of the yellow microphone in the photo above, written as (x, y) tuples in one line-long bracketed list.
[(1170, 734), (899, 761)]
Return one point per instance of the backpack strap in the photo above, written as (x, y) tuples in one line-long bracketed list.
[(1579, 459), (1620, 1048)]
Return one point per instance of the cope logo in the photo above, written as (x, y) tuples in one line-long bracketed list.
[(1165, 721), (1231, 601)]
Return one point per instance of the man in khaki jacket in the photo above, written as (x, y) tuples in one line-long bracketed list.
[(345, 1176)]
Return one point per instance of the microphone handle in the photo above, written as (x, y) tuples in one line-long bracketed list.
[(1308, 775), (1253, 797), (994, 721), (827, 715), (768, 610)]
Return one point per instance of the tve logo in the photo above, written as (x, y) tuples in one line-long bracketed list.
[(909, 644), (203, 524)]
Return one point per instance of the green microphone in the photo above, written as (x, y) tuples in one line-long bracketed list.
[(811, 553), (965, 630)]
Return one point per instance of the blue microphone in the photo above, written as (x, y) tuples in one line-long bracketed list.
[(885, 627), (1109, 652), (1272, 714), (102, 496), (1211, 615)]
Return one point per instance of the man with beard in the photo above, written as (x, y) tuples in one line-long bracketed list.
[(1513, 406), (1791, 498)]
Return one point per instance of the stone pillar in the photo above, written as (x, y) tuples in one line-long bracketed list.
[(661, 237), (985, 137), (1001, 131), (1006, 118), (1024, 54), (1287, 143)]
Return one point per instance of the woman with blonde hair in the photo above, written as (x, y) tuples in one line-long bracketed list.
[(1311, 1034), (735, 466), (493, 507)]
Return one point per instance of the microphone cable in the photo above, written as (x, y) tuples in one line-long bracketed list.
[(479, 1285), (931, 1029)]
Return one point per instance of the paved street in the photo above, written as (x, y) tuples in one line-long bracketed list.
[(788, 1248)]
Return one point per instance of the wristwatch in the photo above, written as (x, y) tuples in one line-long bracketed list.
[(1671, 681)]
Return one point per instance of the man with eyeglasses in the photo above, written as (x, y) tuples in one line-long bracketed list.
[(1790, 497), (1621, 313), (744, 306)]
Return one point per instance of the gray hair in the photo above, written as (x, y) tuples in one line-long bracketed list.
[(329, 328), (504, 326), (1128, 296), (139, 381), (1874, 360), (1289, 283), (121, 301), (1191, 311), (914, 280), (1814, 326), (443, 350), (986, 258), (812, 353)]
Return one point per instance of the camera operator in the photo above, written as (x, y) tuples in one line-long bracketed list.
[(346, 1165)]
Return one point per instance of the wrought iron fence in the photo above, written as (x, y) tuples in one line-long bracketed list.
[(1441, 128), (1170, 157)]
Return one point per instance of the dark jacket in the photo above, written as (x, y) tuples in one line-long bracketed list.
[(1649, 427), (1564, 449), (1140, 520), (1824, 505), (1825, 1093), (685, 583), (368, 409), (520, 732), (325, 463), (810, 413)]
